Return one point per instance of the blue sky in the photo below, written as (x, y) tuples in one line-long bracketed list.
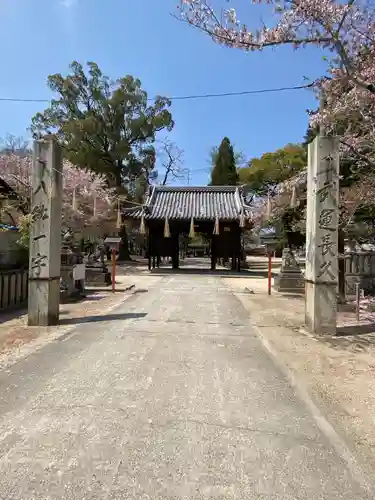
[(140, 37)]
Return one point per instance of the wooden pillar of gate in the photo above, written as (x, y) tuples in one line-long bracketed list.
[(175, 251), (213, 253), (149, 249)]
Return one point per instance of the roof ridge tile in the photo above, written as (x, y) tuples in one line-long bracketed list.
[(200, 202)]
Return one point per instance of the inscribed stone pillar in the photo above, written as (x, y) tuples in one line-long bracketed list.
[(45, 234), (322, 236)]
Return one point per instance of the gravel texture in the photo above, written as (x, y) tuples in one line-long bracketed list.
[(171, 395), (337, 370)]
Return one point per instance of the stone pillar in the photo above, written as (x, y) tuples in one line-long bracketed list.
[(45, 234), (322, 236)]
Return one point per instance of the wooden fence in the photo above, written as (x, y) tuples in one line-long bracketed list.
[(13, 288)]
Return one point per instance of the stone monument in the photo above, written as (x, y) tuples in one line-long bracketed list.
[(290, 279), (45, 241), (322, 235), (96, 270), (69, 258)]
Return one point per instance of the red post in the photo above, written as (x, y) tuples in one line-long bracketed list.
[(269, 272), (113, 274)]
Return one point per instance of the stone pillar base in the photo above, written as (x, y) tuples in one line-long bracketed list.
[(290, 279), (321, 308), (44, 302), (96, 276), (290, 282)]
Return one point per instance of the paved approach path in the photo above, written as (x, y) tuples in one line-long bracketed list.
[(172, 397)]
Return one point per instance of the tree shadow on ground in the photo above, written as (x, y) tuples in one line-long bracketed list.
[(162, 271), (138, 261), (350, 330), (104, 317), (8, 315), (298, 296), (354, 338), (93, 290), (244, 273), (92, 297), (262, 265)]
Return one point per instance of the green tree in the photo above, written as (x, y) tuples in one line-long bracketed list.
[(310, 135), (104, 126), (224, 171), (262, 175), (239, 157)]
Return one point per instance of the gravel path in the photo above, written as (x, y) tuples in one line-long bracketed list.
[(172, 396)]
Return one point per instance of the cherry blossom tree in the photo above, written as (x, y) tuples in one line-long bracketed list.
[(344, 30), (353, 197), (87, 203)]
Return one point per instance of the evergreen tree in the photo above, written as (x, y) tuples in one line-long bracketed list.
[(107, 127), (310, 135), (224, 172)]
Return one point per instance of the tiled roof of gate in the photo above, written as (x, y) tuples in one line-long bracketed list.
[(202, 203)]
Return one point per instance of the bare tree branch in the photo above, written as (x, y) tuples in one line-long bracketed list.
[(171, 159), (12, 144)]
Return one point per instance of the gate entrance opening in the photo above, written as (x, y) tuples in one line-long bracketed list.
[(170, 213)]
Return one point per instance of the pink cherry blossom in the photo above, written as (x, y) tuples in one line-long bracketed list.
[(87, 202), (351, 198), (345, 30)]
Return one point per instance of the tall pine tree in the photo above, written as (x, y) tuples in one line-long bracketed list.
[(224, 171)]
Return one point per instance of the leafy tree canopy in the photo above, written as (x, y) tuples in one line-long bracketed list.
[(104, 126), (262, 175)]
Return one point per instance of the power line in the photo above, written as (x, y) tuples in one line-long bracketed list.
[(187, 97), (16, 99), (243, 93)]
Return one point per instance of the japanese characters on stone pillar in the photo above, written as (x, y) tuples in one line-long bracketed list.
[(45, 234), (322, 235)]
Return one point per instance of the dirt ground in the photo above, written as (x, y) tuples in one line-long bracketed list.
[(338, 370), (17, 338)]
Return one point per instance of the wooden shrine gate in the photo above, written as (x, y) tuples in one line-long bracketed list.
[(219, 212)]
